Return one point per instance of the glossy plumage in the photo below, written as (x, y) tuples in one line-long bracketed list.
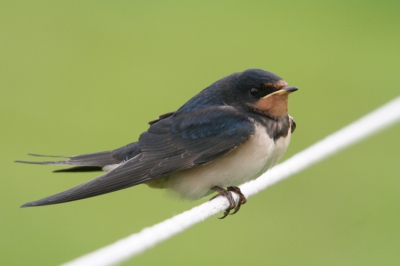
[(202, 133)]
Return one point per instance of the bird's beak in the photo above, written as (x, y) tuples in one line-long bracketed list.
[(289, 89), (283, 91)]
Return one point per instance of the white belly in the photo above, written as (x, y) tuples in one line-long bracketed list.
[(239, 166)]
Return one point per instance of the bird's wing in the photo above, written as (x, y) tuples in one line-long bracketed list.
[(172, 144), (161, 117)]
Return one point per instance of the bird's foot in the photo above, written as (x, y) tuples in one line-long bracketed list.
[(242, 198), (226, 193)]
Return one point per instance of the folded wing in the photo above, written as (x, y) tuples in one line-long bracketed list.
[(175, 143)]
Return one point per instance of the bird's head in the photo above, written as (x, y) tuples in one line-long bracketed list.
[(263, 92)]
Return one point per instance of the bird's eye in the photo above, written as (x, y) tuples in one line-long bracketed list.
[(254, 91)]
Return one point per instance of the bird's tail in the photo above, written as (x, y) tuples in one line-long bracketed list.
[(82, 163), (91, 161)]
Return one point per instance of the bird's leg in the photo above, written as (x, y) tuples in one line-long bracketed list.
[(242, 198), (225, 193)]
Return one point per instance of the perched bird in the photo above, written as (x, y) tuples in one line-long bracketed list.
[(228, 134)]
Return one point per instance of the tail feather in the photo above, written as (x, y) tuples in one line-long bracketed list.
[(93, 161), (54, 156), (79, 169), (98, 159), (53, 163)]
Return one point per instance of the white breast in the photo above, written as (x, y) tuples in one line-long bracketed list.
[(241, 165)]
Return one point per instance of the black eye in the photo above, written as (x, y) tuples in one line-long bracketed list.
[(254, 91)]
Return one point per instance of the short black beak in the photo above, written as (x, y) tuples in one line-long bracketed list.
[(284, 91), (289, 88)]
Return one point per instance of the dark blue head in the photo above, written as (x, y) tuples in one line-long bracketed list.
[(259, 91), (256, 78), (253, 90)]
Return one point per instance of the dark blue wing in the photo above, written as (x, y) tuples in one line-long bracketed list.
[(177, 142), (185, 140)]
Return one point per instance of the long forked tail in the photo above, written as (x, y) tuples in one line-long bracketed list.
[(92, 161), (98, 159)]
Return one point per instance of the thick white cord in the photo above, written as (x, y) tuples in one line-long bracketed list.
[(134, 244)]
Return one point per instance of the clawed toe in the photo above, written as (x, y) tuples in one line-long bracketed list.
[(232, 205)]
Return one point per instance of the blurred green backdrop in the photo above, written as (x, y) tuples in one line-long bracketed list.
[(84, 76)]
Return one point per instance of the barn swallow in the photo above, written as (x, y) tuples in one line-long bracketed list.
[(228, 134)]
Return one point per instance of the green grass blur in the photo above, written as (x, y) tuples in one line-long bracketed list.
[(85, 76)]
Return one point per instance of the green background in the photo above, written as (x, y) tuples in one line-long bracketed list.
[(85, 76)]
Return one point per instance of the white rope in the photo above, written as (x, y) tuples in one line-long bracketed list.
[(134, 244)]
